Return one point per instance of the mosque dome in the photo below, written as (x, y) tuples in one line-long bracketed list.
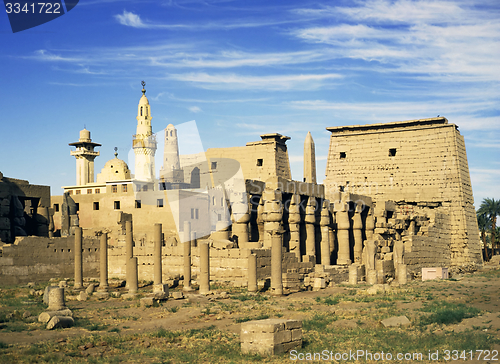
[(114, 170)]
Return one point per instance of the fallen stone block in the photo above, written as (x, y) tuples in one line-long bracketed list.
[(60, 322), (176, 295), (396, 321), (90, 288), (83, 296), (147, 302), (270, 336), (45, 317)]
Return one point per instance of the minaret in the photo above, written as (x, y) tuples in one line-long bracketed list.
[(85, 156), (171, 169), (144, 142), (309, 159)]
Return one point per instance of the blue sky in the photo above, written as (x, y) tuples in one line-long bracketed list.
[(244, 68)]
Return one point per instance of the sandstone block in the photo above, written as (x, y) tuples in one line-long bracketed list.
[(60, 322)]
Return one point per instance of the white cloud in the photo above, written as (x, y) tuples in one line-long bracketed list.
[(130, 19), (194, 109), (273, 82)]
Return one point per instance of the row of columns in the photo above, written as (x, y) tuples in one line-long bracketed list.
[(131, 261), (268, 220)]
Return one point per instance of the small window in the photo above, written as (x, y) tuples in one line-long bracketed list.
[(219, 217), (70, 192), (342, 155), (196, 213), (77, 206), (145, 188), (192, 214), (78, 192), (97, 190), (138, 188), (56, 207), (89, 191), (213, 200), (96, 206), (159, 202), (138, 204), (214, 165), (114, 188), (141, 110), (260, 162), (124, 188), (117, 205), (341, 188), (392, 152)]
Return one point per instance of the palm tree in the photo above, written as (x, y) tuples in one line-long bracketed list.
[(491, 209), (483, 223)]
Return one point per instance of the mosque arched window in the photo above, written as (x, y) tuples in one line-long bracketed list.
[(141, 110)]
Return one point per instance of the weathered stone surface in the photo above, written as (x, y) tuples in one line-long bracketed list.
[(45, 317), (60, 322), (396, 321), (270, 336)]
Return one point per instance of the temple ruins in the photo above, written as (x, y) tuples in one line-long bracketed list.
[(396, 198)]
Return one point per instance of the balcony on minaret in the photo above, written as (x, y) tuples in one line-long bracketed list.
[(142, 141)]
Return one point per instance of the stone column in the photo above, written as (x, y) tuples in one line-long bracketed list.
[(294, 226), (129, 247), (372, 277), (402, 274), (343, 225), (56, 299), (272, 214), (397, 256), (157, 254), (353, 274), (103, 266), (276, 263), (369, 225), (187, 256), (332, 230), (325, 233), (51, 223), (240, 218), (357, 226), (78, 258), (204, 279), (193, 239), (260, 219), (252, 273), (310, 220), (132, 278)]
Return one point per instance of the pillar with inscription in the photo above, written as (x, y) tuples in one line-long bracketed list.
[(294, 226), (357, 226), (310, 220), (343, 225), (325, 233), (272, 214), (369, 225)]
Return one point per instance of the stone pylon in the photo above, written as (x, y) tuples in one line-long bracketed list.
[(309, 159)]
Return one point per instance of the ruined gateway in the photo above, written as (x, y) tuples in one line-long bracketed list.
[(395, 193)]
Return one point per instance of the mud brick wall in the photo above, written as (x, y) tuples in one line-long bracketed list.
[(420, 162), (37, 259)]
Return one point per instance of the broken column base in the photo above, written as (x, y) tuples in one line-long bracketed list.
[(270, 336), (160, 291)]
